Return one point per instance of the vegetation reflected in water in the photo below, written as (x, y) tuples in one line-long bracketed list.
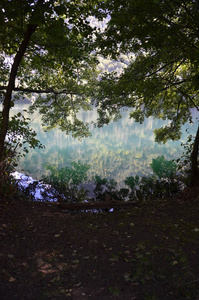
[(118, 150)]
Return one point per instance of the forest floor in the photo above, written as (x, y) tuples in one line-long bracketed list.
[(149, 251)]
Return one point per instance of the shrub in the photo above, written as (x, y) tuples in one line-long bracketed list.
[(164, 183), (66, 181), (163, 168)]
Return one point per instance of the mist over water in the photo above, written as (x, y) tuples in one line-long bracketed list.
[(117, 150)]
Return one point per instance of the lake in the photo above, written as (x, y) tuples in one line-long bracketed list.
[(117, 150)]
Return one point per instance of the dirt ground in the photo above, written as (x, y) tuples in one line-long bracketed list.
[(149, 251)]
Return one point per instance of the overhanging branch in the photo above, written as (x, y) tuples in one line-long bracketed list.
[(41, 91)]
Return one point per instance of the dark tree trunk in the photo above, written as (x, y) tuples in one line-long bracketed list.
[(11, 85), (194, 160)]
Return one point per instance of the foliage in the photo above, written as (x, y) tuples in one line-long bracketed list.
[(107, 190), (7, 186), (66, 181), (161, 79), (29, 191), (163, 168), (132, 181), (104, 183), (184, 163), (104, 187), (152, 187), (52, 55), (20, 137), (164, 183)]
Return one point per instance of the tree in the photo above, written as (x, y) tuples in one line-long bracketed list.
[(161, 80), (46, 47)]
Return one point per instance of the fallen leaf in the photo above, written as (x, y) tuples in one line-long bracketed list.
[(11, 279), (78, 284), (127, 277), (135, 283), (175, 262), (76, 261), (10, 255), (113, 259), (74, 253)]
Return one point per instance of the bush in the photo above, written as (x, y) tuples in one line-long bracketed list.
[(164, 183), (163, 168), (18, 138), (66, 181)]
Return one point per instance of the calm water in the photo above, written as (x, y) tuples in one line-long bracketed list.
[(117, 150)]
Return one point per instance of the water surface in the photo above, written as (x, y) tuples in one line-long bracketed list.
[(117, 150)]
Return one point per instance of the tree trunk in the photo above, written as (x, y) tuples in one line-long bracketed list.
[(11, 85), (194, 160)]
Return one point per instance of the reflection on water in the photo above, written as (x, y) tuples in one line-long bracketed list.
[(117, 150)]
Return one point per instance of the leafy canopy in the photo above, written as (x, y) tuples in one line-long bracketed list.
[(162, 77), (59, 62)]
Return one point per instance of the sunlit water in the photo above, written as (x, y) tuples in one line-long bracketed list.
[(117, 150)]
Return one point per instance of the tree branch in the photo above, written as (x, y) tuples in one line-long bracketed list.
[(40, 91), (147, 75), (184, 93)]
